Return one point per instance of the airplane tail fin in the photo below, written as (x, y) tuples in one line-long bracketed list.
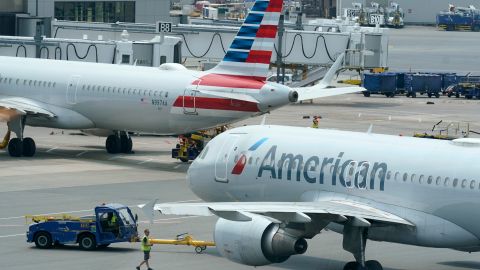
[(250, 53)]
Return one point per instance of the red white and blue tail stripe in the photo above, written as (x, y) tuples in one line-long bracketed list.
[(250, 52)]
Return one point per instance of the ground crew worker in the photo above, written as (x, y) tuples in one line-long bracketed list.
[(146, 247), (112, 223), (315, 122)]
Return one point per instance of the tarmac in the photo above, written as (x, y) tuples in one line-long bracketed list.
[(72, 173)]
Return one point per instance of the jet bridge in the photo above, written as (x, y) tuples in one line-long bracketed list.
[(310, 51)]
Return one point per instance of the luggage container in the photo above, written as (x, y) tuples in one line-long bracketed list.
[(422, 83), (381, 83)]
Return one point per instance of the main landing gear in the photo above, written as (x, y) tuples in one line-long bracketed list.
[(355, 233), (120, 142), (19, 146)]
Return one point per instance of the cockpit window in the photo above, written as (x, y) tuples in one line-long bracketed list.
[(204, 153)]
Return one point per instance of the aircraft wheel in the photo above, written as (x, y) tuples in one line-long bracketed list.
[(373, 265), (43, 240), (29, 147), (15, 147), (113, 144), (198, 250), (352, 266), (126, 144)]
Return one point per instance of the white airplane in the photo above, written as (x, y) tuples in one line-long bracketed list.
[(275, 186), (165, 100)]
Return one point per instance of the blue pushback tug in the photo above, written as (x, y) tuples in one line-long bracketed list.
[(112, 223)]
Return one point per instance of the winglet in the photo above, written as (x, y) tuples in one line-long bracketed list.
[(328, 78), (148, 209)]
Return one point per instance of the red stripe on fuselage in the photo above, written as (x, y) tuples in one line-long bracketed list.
[(262, 57), (231, 81), (215, 104), (274, 6), (267, 31)]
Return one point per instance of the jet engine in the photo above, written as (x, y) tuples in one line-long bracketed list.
[(256, 242)]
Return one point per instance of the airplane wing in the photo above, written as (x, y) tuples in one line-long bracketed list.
[(14, 106), (282, 211)]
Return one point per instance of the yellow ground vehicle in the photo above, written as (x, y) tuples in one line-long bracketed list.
[(190, 145)]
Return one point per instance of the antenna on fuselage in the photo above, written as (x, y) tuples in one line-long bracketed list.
[(264, 119)]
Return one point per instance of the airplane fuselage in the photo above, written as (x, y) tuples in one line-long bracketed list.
[(433, 184), (130, 98)]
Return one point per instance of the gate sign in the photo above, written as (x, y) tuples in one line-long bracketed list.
[(376, 19), (163, 27), (352, 13)]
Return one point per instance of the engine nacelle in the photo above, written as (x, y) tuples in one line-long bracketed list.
[(257, 242)]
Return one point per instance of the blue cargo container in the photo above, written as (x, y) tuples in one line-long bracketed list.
[(423, 83), (448, 79), (380, 83)]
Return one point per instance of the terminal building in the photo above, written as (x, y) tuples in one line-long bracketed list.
[(150, 11)]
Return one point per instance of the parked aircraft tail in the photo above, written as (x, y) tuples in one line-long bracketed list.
[(250, 52)]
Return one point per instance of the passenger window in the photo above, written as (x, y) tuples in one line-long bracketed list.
[(472, 184), (447, 181), (397, 175), (250, 160), (464, 183), (412, 178), (430, 179), (455, 182), (420, 179), (389, 175), (405, 177), (256, 161), (18, 81), (439, 179), (235, 159)]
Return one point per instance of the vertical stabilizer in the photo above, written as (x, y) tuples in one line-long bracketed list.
[(250, 53)]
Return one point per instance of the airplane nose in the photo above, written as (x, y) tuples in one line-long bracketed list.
[(293, 96)]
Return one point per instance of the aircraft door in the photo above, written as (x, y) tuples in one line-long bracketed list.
[(72, 89), (189, 99), (223, 156)]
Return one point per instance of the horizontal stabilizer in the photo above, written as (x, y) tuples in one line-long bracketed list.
[(236, 96), (306, 93)]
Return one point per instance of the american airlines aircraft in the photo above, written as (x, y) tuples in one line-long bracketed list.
[(165, 100), (275, 186)]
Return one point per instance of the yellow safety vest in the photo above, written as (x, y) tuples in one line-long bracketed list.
[(146, 244), (113, 220), (315, 125)]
